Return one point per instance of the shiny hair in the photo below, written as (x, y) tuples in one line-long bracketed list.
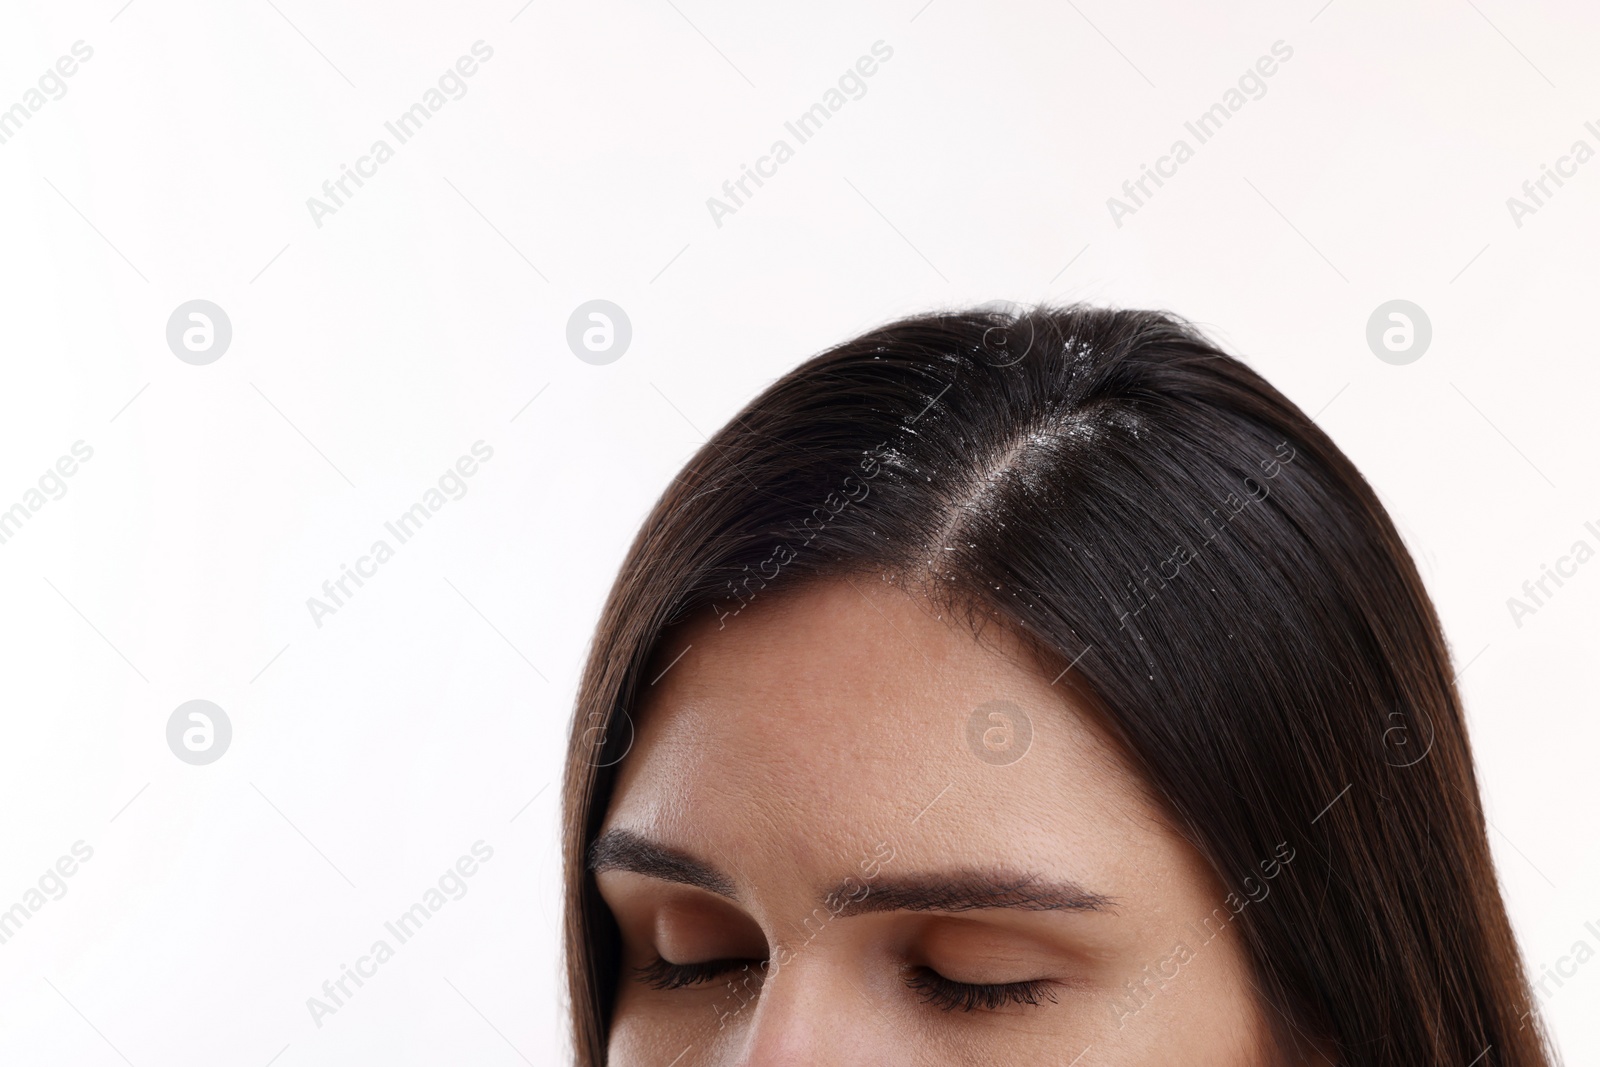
[(1142, 508)]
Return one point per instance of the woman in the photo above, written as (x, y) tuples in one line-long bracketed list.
[(1025, 688)]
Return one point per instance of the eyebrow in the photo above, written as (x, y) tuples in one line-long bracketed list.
[(964, 890), (625, 850), (960, 890)]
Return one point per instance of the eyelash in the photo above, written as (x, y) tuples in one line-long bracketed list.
[(934, 987), (946, 995), (663, 975)]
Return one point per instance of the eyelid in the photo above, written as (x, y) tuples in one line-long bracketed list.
[(1006, 945), (949, 995), (682, 925), (944, 993)]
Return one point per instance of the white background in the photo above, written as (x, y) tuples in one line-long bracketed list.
[(369, 353)]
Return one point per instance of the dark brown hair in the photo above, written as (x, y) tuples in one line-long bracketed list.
[(1132, 501)]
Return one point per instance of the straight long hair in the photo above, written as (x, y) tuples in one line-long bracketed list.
[(1136, 504)]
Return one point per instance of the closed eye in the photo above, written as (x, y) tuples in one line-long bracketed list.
[(935, 989), (660, 974), (948, 995)]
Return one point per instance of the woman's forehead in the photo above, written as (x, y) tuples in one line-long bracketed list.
[(810, 727)]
